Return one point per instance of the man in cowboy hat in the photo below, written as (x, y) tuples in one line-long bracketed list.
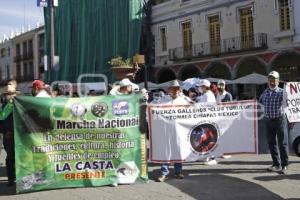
[(174, 96)]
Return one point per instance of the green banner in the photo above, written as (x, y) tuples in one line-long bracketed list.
[(78, 142)]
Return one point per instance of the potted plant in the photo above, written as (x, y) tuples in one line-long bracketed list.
[(122, 68), (120, 62)]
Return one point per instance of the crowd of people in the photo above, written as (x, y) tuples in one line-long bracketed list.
[(201, 91)]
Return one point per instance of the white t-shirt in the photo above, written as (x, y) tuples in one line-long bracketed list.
[(207, 97), (222, 95), (180, 100), (43, 94)]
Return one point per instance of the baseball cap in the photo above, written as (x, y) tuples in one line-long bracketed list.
[(38, 84), (205, 83), (220, 82), (125, 82), (274, 74)]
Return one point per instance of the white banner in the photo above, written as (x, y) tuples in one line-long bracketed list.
[(292, 101), (190, 133)]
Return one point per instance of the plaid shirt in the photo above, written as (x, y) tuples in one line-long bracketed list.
[(272, 101)]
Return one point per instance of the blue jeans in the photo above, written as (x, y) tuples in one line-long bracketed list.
[(165, 169), (275, 128)]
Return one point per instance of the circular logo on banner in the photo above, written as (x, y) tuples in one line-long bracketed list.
[(99, 109), (204, 137), (78, 110)]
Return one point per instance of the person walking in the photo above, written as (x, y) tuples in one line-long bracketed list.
[(271, 99)]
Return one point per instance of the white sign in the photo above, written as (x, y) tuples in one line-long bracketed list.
[(191, 133), (292, 101)]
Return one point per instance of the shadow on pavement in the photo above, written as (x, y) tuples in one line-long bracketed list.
[(217, 186), (204, 171), (250, 162), (278, 177), (201, 185)]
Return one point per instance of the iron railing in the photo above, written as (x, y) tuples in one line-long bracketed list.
[(17, 58), (225, 46)]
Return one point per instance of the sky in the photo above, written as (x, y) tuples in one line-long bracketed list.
[(15, 14)]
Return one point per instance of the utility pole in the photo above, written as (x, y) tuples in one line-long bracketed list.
[(147, 40), (51, 36)]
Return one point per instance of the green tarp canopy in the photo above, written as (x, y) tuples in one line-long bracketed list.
[(88, 33)]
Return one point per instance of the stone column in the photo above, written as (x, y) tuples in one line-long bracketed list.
[(296, 14)]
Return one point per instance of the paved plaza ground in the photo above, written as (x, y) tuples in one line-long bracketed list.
[(239, 177)]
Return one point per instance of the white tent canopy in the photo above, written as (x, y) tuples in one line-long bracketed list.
[(253, 78), (217, 79), (151, 85)]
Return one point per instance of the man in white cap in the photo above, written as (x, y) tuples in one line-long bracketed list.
[(222, 94), (125, 87), (176, 97), (207, 95), (272, 99)]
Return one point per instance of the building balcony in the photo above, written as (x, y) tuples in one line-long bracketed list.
[(218, 48), (24, 56), (17, 58), (27, 56)]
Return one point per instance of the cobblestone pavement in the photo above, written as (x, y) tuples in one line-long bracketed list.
[(239, 177)]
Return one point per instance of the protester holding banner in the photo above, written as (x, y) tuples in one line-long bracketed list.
[(125, 87), (272, 99), (8, 130), (192, 94), (207, 95), (39, 89), (222, 94), (177, 98), (56, 91), (214, 89)]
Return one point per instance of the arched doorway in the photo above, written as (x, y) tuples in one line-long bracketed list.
[(164, 75), (246, 66), (250, 65), (189, 71), (218, 70), (288, 65)]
